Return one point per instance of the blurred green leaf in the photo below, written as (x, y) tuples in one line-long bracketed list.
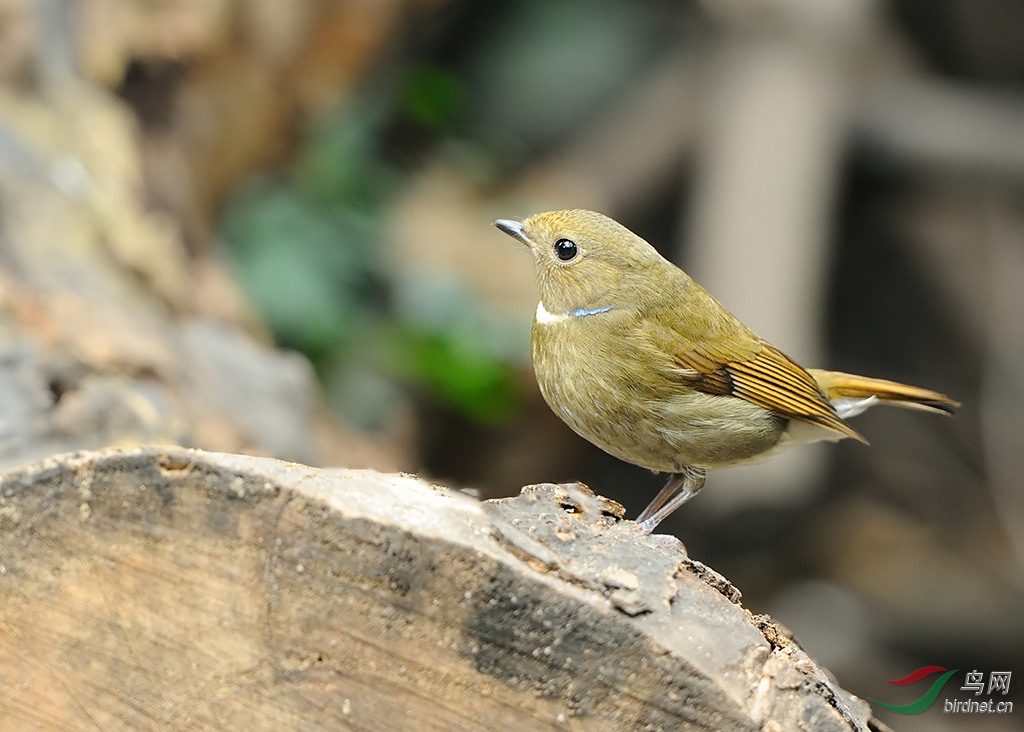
[(460, 373), (306, 270), (340, 166), (433, 96)]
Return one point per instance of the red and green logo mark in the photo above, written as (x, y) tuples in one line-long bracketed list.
[(929, 696)]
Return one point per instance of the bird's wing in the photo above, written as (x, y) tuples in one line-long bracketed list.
[(773, 381), (742, 365)]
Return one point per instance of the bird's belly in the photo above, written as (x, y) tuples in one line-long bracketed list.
[(662, 426)]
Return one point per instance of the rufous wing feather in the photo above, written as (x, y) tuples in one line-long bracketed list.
[(767, 378), (773, 381)]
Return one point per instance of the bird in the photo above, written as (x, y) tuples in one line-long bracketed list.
[(643, 362)]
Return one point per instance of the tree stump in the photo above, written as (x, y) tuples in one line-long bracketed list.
[(165, 588)]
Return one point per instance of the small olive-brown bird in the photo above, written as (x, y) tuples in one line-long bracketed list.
[(643, 362)]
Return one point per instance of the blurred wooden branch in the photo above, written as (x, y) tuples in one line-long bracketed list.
[(1003, 385), (172, 589), (925, 121), (634, 147)]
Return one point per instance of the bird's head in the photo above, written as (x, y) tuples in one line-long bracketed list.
[(587, 260)]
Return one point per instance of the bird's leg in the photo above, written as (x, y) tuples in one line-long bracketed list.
[(680, 488)]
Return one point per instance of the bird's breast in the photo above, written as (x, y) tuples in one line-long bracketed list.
[(597, 377)]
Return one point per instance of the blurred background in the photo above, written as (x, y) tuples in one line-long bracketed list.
[(260, 226)]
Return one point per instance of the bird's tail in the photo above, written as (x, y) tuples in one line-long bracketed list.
[(851, 395)]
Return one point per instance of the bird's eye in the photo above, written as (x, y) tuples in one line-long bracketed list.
[(566, 249)]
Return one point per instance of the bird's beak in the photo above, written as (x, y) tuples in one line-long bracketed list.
[(514, 229)]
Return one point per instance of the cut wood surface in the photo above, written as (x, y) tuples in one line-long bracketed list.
[(165, 588)]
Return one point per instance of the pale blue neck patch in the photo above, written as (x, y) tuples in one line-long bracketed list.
[(544, 316), (583, 312)]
